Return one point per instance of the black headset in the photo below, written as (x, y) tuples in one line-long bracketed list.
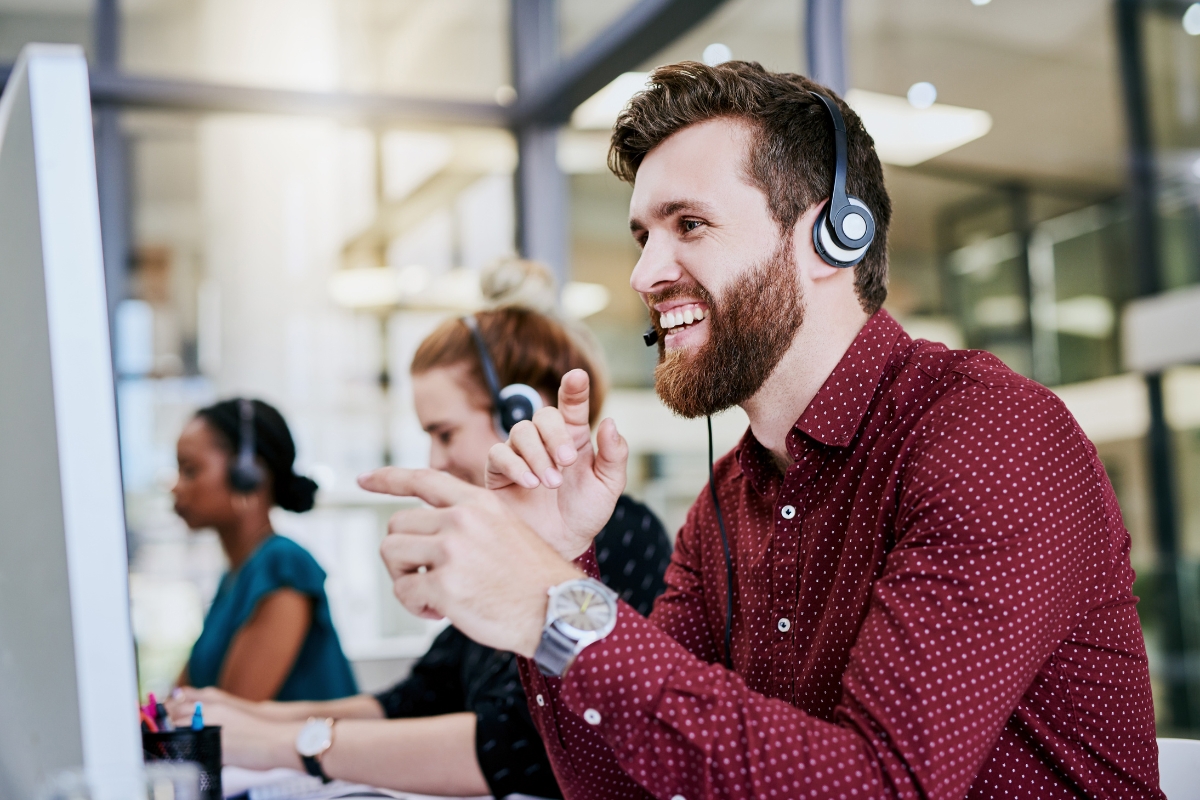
[(841, 235), (513, 403), (245, 475), (845, 227)]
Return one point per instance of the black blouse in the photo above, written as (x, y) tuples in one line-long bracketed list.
[(459, 675)]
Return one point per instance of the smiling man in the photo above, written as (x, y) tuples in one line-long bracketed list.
[(910, 579)]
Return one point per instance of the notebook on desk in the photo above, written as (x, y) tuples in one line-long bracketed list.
[(288, 784)]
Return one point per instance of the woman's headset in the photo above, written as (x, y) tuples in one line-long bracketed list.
[(245, 475), (511, 404)]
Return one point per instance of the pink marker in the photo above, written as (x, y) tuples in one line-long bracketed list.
[(151, 707)]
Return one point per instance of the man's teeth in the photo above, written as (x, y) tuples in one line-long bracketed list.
[(682, 316)]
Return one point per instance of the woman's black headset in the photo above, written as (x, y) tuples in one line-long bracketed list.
[(511, 404), (245, 475), (841, 235)]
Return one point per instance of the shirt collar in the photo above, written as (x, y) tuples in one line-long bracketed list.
[(836, 412)]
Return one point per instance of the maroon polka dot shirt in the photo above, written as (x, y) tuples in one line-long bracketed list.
[(933, 601)]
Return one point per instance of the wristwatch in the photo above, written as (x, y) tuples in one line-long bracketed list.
[(311, 743), (580, 611)]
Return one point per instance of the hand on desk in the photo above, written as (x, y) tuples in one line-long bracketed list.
[(247, 740)]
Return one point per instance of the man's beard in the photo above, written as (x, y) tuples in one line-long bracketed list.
[(749, 330)]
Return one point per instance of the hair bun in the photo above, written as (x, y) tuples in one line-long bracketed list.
[(296, 493), (519, 282)]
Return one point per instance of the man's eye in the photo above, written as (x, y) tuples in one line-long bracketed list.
[(444, 438), (690, 225)]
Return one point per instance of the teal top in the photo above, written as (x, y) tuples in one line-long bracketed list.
[(321, 671)]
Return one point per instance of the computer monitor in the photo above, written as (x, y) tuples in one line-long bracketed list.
[(68, 691)]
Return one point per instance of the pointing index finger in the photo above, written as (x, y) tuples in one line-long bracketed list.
[(439, 489), (574, 395)]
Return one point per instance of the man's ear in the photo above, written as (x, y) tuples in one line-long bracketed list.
[(810, 264)]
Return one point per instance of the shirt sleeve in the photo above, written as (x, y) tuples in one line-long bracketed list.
[(983, 582), (282, 564), (435, 684)]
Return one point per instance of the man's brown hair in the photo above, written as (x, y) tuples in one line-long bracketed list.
[(524, 346), (791, 156)]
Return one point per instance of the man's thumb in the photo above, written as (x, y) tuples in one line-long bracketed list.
[(612, 453)]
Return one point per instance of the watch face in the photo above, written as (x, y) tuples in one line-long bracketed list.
[(314, 738), (583, 608)]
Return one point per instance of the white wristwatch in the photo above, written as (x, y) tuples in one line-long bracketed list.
[(580, 612), (311, 743)]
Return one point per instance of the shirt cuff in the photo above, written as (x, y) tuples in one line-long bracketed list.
[(617, 683), (588, 563)]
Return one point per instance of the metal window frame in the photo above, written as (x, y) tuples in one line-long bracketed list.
[(549, 88)]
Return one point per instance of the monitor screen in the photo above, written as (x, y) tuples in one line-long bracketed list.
[(68, 693)]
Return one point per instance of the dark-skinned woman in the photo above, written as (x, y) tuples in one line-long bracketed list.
[(268, 634)]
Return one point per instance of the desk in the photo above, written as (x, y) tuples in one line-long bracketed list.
[(288, 784)]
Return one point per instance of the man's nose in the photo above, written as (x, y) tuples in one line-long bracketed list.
[(656, 269)]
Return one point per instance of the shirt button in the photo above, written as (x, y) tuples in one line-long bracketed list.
[(788, 512), (785, 625), (591, 716), (541, 701), (678, 797)]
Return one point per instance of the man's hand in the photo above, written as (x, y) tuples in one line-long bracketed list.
[(551, 476), (470, 558)]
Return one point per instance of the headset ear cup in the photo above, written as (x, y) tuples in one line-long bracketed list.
[(518, 402), (245, 477), (830, 252)]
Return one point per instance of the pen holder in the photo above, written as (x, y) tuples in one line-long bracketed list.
[(202, 747)]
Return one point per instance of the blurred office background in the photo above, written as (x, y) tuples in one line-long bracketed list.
[(295, 191)]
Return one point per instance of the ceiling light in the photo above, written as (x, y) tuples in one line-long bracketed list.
[(581, 300), (506, 95), (365, 287), (599, 112), (906, 136), (583, 152), (716, 53), (1191, 19), (1087, 315), (980, 2), (922, 95)]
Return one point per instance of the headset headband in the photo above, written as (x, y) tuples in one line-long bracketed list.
[(837, 199), (489, 371), (245, 475)]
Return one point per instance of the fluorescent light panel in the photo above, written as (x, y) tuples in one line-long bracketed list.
[(599, 112), (906, 136), (903, 135)]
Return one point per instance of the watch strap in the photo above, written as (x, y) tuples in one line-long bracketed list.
[(555, 652), (312, 765)]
